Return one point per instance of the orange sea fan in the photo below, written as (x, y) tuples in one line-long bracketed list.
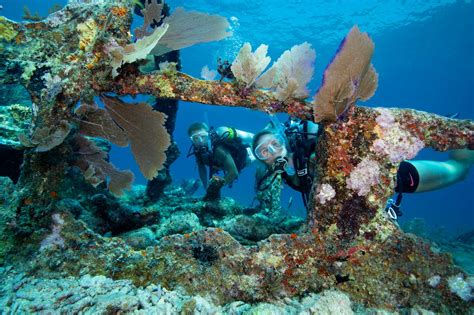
[(93, 164), (145, 130), (188, 28), (96, 122), (349, 77)]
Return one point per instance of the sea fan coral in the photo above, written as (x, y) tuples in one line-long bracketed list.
[(151, 14), (145, 130), (290, 74), (349, 77), (92, 162), (188, 28), (45, 138), (121, 124), (181, 29), (136, 51), (207, 74), (96, 122), (247, 66)]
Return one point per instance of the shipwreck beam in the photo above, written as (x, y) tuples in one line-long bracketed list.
[(180, 86)]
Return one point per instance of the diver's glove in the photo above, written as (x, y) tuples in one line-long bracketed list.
[(214, 189)]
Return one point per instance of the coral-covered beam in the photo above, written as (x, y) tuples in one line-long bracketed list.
[(438, 132), (358, 159), (180, 86)]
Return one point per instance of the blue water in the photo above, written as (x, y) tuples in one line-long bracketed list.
[(424, 54)]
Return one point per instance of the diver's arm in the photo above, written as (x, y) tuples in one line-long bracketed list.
[(245, 136), (203, 174), (228, 164), (435, 175)]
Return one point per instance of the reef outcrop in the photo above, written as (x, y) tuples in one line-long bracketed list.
[(349, 243)]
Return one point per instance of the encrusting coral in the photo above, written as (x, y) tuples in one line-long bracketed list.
[(349, 243)]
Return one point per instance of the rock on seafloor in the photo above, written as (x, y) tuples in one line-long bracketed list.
[(23, 294)]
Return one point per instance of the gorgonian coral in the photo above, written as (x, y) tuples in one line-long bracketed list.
[(181, 29), (290, 74), (349, 77), (136, 51), (123, 123), (151, 15), (187, 28), (45, 138), (248, 65), (208, 74), (91, 160)]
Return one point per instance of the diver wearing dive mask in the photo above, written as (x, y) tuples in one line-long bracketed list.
[(287, 150), (272, 151), (219, 149)]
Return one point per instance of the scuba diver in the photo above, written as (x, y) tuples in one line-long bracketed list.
[(223, 148), (289, 150)]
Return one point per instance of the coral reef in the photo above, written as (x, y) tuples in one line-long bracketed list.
[(279, 267), (348, 243), (22, 293)]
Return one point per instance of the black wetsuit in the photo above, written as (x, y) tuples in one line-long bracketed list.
[(407, 178)]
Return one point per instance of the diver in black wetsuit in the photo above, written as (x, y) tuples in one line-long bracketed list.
[(289, 150), (223, 148)]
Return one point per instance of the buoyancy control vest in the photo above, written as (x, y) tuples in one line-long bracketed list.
[(301, 142), (227, 138)]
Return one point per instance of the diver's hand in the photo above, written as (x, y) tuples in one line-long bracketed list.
[(214, 189)]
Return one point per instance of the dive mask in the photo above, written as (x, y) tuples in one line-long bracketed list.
[(274, 146), (200, 138)]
